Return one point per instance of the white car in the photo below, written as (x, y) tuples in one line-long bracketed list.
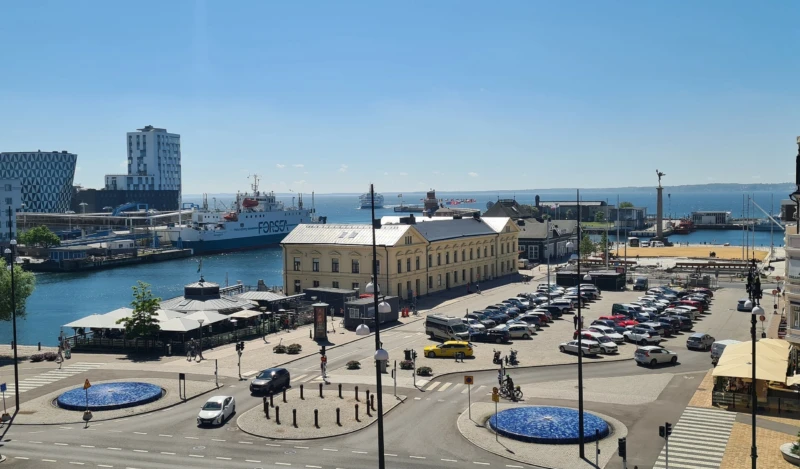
[(589, 347), (689, 310), (608, 332), (473, 324), (216, 410), (517, 331), (653, 355), (642, 336)]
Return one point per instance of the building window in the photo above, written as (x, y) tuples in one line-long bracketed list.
[(439, 280), (8, 188), (355, 286), (335, 284), (399, 266), (463, 255), (430, 260), (502, 249), (447, 258), (484, 251), (795, 315), (9, 201), (430, 281), (470, 253), (417, 262), (438, 258), (478, 254), (297, 288), (315, 265), (296, 264), (533, 252), (334, 265), (455, 276), (464, 274), (408, 265), (316, 283), (355, 268), (455, 257), (409, 239)]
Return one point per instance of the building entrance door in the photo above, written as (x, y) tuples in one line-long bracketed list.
[(447, 280)]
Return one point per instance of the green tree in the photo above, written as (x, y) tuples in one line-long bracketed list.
[(535, 211), (24, 283), (603, 244), (587, 246), (143, 321), (626, 205), (546, 216), (39, 236), (599, 217)]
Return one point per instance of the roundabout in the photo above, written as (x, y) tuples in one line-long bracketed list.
[(547, 425), (110, 396)]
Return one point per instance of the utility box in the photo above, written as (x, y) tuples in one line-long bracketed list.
[(320, 321)]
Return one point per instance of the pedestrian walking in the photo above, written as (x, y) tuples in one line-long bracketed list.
[(575, 322), (199, 353), (60, 357), (478, 287)]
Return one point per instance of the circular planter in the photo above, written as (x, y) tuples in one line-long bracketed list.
[(547, 425), (786, 451), (110, 396)]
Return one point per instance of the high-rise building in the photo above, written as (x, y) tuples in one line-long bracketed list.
[(154, 162), (45, 178), (10, 198)]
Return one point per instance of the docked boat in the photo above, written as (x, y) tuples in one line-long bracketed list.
[(256, 220), (684, 226), (765, 224), (365, 201)]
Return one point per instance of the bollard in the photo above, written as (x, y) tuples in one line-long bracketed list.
[(301, 392), (278, 415), (320, 389), (357, 413), (284, 395), (309, 334), (294, 418), (271, 404), (316, 418), (372, 401), (356, 395), (367, 393), (340, 390), (368, 412), (266, 412), (338, 420), (265, 404), (40, 346)]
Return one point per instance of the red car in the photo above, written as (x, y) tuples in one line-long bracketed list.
[(587, 335), (704, 291), (543, 317), (621, 320), (696, 304)]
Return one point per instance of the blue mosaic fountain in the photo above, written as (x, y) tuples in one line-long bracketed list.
[(110, 396), (547, 425)]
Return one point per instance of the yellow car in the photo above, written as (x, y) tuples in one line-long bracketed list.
[(449, 349)]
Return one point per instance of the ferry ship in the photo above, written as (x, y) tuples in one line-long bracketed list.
[(257, 220), (365, 201)]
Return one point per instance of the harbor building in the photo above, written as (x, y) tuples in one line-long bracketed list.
[(45, 178), (539, 240), (416, 255), (628, 218), (10, 198), (568, 209), (154, 162), (711, 218)]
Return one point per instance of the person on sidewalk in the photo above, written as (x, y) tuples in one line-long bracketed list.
[(575, 322), (478, 287)]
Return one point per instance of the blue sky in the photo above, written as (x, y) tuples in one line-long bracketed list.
[(455, 95)]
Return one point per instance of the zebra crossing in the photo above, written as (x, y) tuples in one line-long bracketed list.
[(698, 440), (51, 376), (457, 388)]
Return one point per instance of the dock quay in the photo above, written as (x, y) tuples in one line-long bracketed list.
[(89, 263)]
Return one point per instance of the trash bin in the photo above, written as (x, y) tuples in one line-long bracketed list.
[(68, 354), (407, 353)]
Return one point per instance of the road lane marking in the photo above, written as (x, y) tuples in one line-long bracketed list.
[(271, 444), (166, 436), (315, 467), (298, 378), (114, 449), (77, 463), (246, 442), (445, 386), (301, 447), (417, 457), (168, 453), (196, 456), (282, 464), (433, 386), (49, 460), (449, 460), (191, 438), (140, 451), (21, 457), (511, 465), (359, 452), (104, 465), (140, 433), (389, 454), (34, 441), (481, 463), (87, 446), (224, 459), (329, 449), (61, 444), (216, 439), (251, 460)]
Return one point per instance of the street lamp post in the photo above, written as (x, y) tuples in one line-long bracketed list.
[(581, 436), (200, 345), (10, 252), (381, 355), (754, 293)]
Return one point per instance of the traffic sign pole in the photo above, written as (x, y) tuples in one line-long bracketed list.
[(468, 380)]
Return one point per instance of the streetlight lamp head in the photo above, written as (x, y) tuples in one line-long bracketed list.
[(570, 245), (7, 251), (370, 288), (587, 278), (748, 305), (362, 330), (384, 307), (381, 355), (758, 310), (201, 321), (13, 242), (795, 196)]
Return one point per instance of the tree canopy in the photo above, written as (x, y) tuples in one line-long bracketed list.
[(587, 246), (24, 283), (599, 217), (143, 321), (625, 205), (39, 236)]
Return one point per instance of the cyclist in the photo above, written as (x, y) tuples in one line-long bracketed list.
[(510, 385)]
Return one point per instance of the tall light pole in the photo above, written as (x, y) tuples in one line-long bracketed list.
[(381, 355), (10, 252), (581, 436), (754, 296), (200, 346)]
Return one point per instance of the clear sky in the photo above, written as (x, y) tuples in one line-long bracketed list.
[(455, 95)]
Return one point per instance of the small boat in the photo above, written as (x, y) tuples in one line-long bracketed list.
[(684, 226), (249, 203)]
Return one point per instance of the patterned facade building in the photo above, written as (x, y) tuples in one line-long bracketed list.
[(45, 177)]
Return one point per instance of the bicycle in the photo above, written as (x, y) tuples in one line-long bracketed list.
[(505, 393)]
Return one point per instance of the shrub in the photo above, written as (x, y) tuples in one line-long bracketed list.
[(294, 349), (50, 356), (796, 446), (279, 349), (37, 357), (406, 365), (424, 371), (353, 365)]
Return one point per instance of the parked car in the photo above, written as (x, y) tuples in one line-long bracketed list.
[(609, 332), (518, 331), (532, 320), (607, 345), (448, 349), (565, 304), (610, 324), (700, 306), (555, 311), (686, 310), (699, 341), (588, 347), (474, 324), (653, 355), (685, 321), (543, 316), (216, 410), (270, 381), (481, 317), (664, 330), (642, 336), (718, 347), (491, 335), (621, 320)]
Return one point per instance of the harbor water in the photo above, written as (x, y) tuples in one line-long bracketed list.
[(61, 298)]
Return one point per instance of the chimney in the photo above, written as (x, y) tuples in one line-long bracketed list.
[(476, 216)]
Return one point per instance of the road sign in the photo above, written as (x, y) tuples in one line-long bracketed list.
[(3, 387), (762, 318), (468, 380), (495, 390), (87, 384), (496, 397)]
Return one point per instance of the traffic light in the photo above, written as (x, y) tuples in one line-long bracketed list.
[(668, 428), (322, 350), (622, 448), (413, 354), (662, 432), (241, 346)]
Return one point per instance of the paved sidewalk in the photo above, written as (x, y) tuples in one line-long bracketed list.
[(737, 453)]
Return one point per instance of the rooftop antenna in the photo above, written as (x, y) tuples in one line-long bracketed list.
[(254, 184)]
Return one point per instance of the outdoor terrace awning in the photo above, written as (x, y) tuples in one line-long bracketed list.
[(772, 360), (208, 317), (267, 296), (102, 321), (246, 314), (180, 325)]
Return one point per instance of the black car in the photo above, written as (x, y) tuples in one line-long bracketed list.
[(686, 323), (556, 311), (492, 335), (270, 381), (675, 324), (609, 323), (481, 317)]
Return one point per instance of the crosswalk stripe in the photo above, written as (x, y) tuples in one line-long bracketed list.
[(433, 386), (456, 386), (445, 386), (480, 388), (694, 458), (296, 378), (699, 440)]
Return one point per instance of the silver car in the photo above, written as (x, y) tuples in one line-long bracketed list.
[(589, 347), (653, 355)]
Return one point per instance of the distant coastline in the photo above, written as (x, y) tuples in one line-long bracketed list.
[(717, 187)]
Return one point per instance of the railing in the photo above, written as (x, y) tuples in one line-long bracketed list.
[(741, 402)]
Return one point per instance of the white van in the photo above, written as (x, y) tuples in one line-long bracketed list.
[(718, 347), (656, 244), (446, 328)]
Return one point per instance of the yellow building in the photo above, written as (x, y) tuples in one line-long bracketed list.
[(416, 256)]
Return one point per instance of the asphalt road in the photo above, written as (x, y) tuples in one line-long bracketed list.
[(420, 432)]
